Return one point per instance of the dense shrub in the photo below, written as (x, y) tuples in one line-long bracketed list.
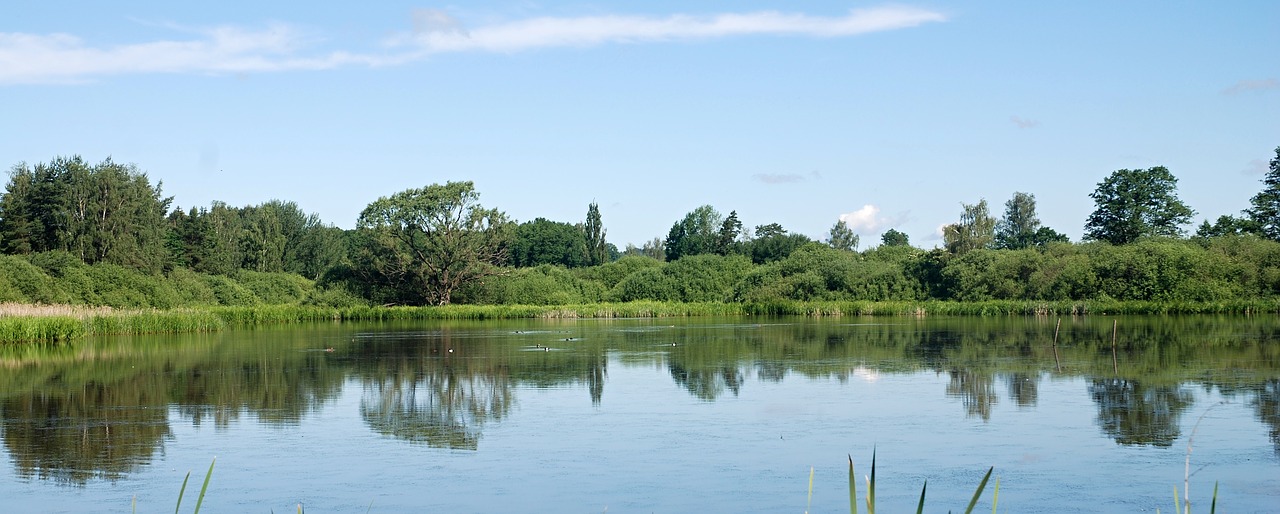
[(541, 285)]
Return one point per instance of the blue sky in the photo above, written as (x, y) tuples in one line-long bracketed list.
[(889, 114)]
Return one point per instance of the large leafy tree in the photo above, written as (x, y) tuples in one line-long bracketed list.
[(542, 241), (773, 243), (976, 229), (696, 233), (424, 244), (1265, 206), (1137, 203), (597, 250), (893, 237)]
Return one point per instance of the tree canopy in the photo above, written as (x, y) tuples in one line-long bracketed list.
[(426, 243), (1137, 203), (976, 229), (697, 233)]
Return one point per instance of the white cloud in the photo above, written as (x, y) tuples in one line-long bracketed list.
[(54, 58), (32, 58), (1024, 123), (772, 178), (1257, 167), (1251, 85), (547, 32), (869, 221)]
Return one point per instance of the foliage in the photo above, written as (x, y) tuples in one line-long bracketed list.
[(105, 212), (610, 274), (597, 250), (1020, 227), (892, 237), (541, 241), (841, 237), (697, 233), (423, 244), (727, 238), (976, 229), (1137, 203), (542, 285), (1225, 225), (773, 243), (1264, 210)]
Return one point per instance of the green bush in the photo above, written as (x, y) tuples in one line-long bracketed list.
[(31, 283), (609, 275), (230, 292), (275, 288)]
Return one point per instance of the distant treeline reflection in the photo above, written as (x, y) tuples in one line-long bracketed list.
[(99, 409)]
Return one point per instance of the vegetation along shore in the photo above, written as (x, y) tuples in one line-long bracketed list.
[(104, 245)]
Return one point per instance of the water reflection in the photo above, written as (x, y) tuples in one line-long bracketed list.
[(101, 409), (1134, 413)]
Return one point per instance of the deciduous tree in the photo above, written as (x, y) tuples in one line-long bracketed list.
[(976, 229), (841, 237), (427, 242), (1137, 203)]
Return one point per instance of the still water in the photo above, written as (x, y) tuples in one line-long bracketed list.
[(667, 415)]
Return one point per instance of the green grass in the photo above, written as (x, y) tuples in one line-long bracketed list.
[(66, 324)]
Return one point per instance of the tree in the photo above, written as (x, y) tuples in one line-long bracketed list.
[(1265, 210), (1137, 203), (727, 237), (105, 212), (976, 229), (1019, 223), (695, 234), (841, 237), (541, 241), (596, 248), (773, 243), (892, 237), (1225, 225), (425, 243)]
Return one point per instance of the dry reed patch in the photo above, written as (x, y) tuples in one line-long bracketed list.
[(42, 310)]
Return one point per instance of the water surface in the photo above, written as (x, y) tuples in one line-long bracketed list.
[(667, 415)]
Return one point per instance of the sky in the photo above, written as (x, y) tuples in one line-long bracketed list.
[(802, 113)]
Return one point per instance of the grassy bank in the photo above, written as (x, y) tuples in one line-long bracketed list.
[(36, 323)]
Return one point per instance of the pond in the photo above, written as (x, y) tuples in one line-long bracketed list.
[(651, 415)]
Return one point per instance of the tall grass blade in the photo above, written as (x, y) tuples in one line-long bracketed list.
[(853, 489), (871, 485), (976, 494), (995, 498), (180, 492), (1177, 507), (920, 506), (1213, 506), (809, 503), (205, 487)]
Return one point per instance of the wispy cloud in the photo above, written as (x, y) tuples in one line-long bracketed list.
[(1251, 85), (547, 32), (778, 178), (54, 58), (1024, 123), (1257, 167), (869, 221)]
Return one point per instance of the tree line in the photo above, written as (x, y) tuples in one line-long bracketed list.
[(438, 245)]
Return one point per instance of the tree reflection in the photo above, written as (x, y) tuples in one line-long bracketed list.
[(1135, 414), (1267, 405), (104, 433), (976, 390), (708, 383), (1024, 388), (438, 407)]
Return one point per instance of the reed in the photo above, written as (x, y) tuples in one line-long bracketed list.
[(871, 490), (42, 329)]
